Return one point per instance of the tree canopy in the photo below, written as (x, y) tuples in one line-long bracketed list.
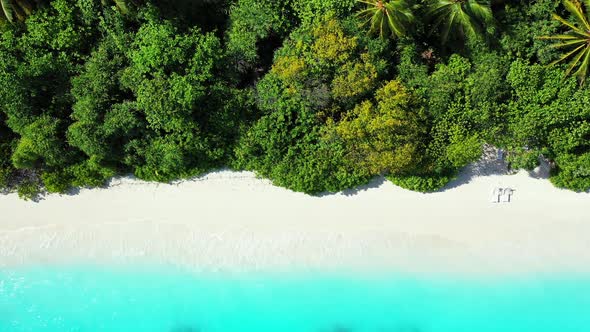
[(317, 96)]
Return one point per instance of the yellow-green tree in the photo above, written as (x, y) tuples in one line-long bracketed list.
[(385, 137)]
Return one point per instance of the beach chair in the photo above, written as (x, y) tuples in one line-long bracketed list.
[(507, 195), (496, 194)]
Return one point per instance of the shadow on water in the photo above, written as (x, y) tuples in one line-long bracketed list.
[(403, 328), (338, 328), (185, 329)]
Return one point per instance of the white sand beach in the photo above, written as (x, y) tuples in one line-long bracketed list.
[(232, 221)]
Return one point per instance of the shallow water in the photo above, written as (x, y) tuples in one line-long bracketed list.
[(166, 300)]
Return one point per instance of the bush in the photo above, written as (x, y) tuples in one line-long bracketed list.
[(251, 21), (308, 10), (89, 173), (463, 151), (57, 181), (421, 183), (29, 189), (523, 159), (573, 172), (5, 175), (6, 168)]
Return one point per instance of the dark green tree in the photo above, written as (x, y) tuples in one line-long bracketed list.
[(550, 116), (171, 76)]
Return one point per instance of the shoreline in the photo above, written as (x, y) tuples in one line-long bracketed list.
[(234, 222)]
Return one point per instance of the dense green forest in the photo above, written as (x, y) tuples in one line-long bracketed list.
[(317, 95)]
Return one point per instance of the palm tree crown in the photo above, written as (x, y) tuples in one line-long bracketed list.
[(576, 40), (387, 17), (467, 17)]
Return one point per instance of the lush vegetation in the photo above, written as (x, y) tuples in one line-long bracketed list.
[(316, 95)]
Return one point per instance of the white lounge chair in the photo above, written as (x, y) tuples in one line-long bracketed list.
[(507, 195), (496, 194)]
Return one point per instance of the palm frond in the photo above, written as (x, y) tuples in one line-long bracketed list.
[(448, 26), (575, 8), (582, 71), (575, 61), (569, 43), (26, 6), (586, 7), (559, 37), (386, 17), (467, 17), (17, 10), (577, 38), (569, 24), (7, 10), (481, 10), (122, 6), (567, 55)]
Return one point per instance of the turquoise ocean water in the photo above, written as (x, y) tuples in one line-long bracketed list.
[(165, 300)]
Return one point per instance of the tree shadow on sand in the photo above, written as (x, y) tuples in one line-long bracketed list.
[(372, 184), (489, 164)]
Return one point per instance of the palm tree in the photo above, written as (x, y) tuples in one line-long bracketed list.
[(15, 10), (576, 40), (387, 17), (467, 17)]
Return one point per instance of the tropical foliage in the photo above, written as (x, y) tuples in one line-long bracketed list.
[(387, 137), (316, 95), (463, 17), (576, 41), (387, 17)]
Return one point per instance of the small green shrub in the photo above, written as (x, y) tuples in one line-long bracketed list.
[(29, 189), (85, 174), (57, 181), (421, 183), (5, 174), (573, 172), (523, 159)]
